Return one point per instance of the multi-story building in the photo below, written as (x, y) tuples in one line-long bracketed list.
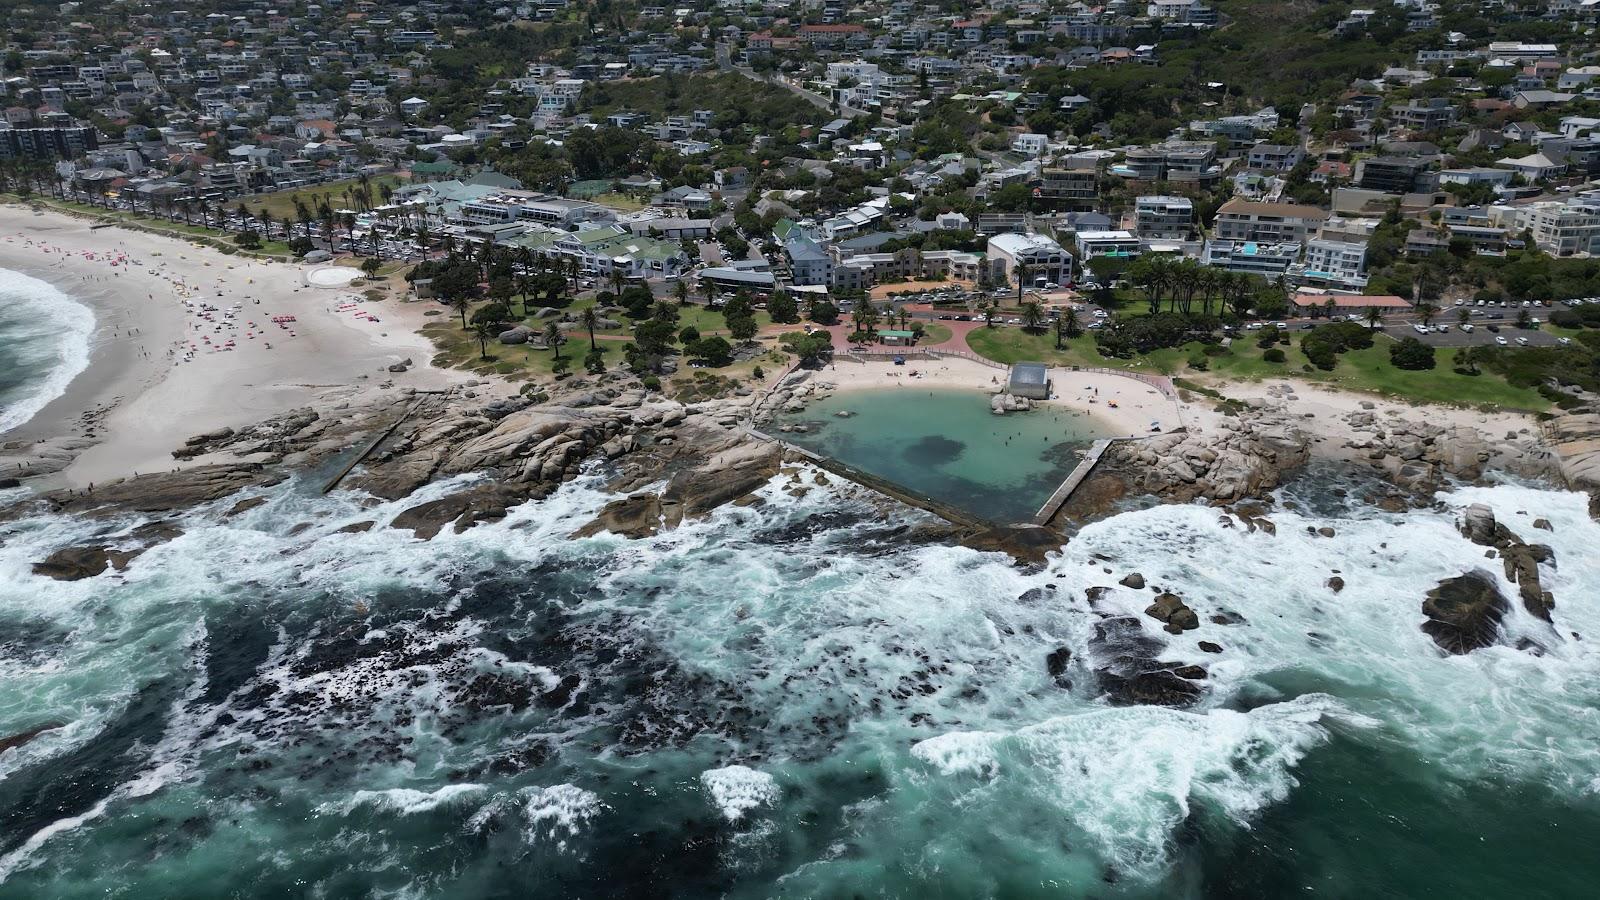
[(1164, 217), (1046, 261), (529, 206), (64, 142), (1559, 227), (1337, 260), (1069, 188), (809, 263), (1246, 220), (1429, 114), (1097, 244), (1269, 260), (1275, 157), (1391, 174), (1190, 162)]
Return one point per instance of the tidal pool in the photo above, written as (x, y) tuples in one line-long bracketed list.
[(947, 445)]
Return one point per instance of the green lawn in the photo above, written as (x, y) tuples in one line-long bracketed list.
[(934, 333), (281, 203), (1369, 371), (460, 349), (1359, 370), (620, 202)]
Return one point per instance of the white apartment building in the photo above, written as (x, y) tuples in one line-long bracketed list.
[(1267, 260), (1095, 244), (1170, 218), (1047, 261), (1560, 228), (1336, 260)]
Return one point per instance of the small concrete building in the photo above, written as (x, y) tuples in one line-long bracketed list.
[(1029, 379)]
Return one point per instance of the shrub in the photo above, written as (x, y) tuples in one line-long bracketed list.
[(651, 383), (1411, 354), (1319, 352), (1198, 363), (1274, 355)]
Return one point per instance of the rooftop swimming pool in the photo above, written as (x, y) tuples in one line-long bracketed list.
[(945, 444)]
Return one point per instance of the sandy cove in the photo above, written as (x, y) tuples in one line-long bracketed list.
[(164, 367), (1138, 405)]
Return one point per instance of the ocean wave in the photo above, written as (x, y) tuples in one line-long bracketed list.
[(43, 330), (737, 790)]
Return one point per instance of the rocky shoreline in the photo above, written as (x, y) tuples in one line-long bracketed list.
[(673, 461)]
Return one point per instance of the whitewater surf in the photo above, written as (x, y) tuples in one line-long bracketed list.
[(790, 698)]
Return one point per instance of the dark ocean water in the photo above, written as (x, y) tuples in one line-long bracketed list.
[(788, 700)]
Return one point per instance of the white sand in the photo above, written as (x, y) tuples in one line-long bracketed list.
[(164, 367), (1138, 405)]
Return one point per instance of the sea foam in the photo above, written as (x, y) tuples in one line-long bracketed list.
[(44, 331)]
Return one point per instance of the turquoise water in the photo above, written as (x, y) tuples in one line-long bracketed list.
[(787, 700), (946, 444), (44, 344)]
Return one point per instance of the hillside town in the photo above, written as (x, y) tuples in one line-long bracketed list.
[(1050, 154)]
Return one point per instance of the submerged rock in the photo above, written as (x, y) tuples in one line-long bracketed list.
[(1464, 612), (1159, 687)]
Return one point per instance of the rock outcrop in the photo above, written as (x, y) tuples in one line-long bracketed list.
[(1244, 456), (1173, 613), (1464, 613), (1574, 438), (1003, 403), (1418, 455), (1520, 559)]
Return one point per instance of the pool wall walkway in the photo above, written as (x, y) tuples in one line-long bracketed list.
[(1073, 479)]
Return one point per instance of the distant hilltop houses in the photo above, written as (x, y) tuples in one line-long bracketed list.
[(836, 145)]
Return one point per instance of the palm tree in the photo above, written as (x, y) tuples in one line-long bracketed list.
[(1374, 316), (552, 338), (524, 275), (1023, 271), (462, 304), (589, 320), (1426, 312), (616, 280), (681, 291), (1061, 327), (484, 332), (988, 316), (1032, 316)]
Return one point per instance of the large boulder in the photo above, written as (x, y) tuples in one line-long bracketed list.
[(477, 504), (1171, 610), (517, 335), (1478, 525), (1464, 612), (76, 563)]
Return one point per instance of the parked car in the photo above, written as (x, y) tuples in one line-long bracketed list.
[(1522, 341), (1500, 340)]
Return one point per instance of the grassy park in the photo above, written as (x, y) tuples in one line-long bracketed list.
[(1367, 370), (281, 203)]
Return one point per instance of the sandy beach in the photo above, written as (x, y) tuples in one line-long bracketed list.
[(190, 340), (1137, 406)]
